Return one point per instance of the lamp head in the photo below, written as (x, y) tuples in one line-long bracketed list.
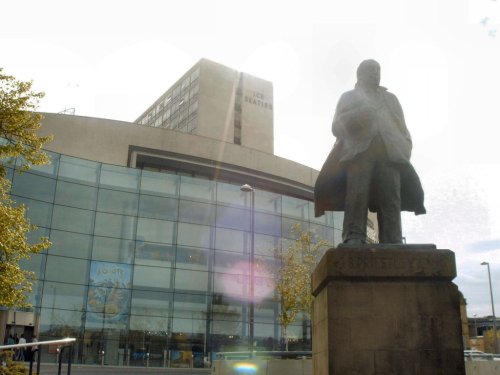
[(484, 263), (246, 188)]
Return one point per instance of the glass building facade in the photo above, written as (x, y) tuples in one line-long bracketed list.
[(151, 262)]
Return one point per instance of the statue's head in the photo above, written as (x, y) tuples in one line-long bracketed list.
[(369, 73)]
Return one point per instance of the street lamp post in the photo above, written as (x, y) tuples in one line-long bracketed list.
[(495, 340), (248, 189)]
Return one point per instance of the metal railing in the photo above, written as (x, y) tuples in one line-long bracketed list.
[(61, 346)]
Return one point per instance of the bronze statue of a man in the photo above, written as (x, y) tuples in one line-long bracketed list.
[(369, 165)]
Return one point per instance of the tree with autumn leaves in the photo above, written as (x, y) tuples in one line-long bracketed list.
[(489, 340), (296, 264), (18, 140)]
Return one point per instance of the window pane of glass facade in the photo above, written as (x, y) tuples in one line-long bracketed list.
[(151, 278), (189, 326), (266, 201), (151, 230), (63, 296), (228, 311), (113, 250), (73, 219), (111, 275), (148, 325), (338, 220), (228, 327), (194, 235), (191, 306), (33, 236), (193, 258), (79, 170), (154, 254), (162, 184), (44, 169), (55, 323), (232, 285), (232, 195), (266, 245), (158, 207), (288, 226), (119, 178), (9, 172), (39, 213), (150, 303), (263, 331), (267, 312), (198, 281), (66, 270), (118, 226), (325, 219), (264, 286), (35, 297), (196, 212), (197, 189), (33, 186), (235, 263), (294, 207), (323, 233), (70, 244), (233, 218), (76, 195), (36, 264), (117, 202), (267, 224), (231, 240), (337, 237)]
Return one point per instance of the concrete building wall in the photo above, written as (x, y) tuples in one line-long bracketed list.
[(257, 114), (108, 141), (216, 101)]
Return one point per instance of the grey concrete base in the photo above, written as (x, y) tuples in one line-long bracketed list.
[(387, 311)]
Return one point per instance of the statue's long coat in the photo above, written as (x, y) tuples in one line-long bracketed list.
[(354, 137)]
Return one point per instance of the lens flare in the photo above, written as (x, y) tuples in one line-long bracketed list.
[(245, 368), (235, 282)]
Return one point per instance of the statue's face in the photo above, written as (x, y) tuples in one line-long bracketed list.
[(370, 74)]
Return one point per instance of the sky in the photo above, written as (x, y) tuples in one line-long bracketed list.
[(112, 59)]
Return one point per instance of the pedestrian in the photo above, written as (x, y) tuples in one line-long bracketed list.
[(21, 351), (31, 349), (10, 340)]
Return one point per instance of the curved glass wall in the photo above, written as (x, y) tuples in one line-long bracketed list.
[(149, 262)]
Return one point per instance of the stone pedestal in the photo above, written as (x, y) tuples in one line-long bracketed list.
[(387, 310)]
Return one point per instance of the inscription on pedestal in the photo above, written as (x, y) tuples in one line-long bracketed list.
[(374, 262)]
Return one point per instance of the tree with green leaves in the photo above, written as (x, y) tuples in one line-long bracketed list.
[(293, 276), (18, 139)]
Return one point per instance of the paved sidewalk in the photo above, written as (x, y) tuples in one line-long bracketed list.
[(51, 369)]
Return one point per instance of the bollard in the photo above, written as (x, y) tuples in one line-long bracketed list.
[(147, 359), (102, 358)]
